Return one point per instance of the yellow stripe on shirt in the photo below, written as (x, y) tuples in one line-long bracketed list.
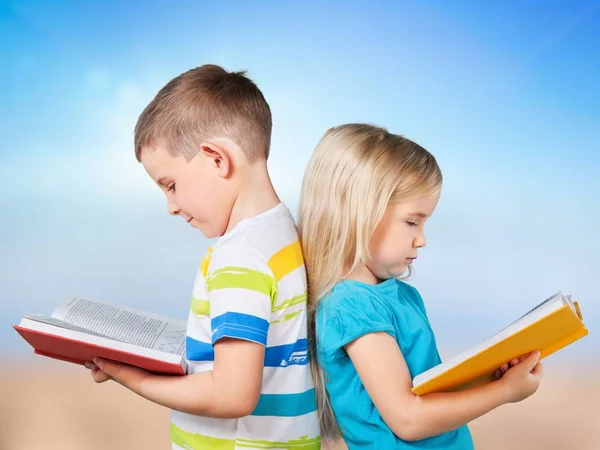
[(286, 260)]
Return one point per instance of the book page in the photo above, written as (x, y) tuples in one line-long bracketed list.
[(125, 324), (554, 297), (59, 323), (548, 303)]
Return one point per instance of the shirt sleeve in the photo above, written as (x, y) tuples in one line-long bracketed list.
[(240, 288), (353, 316)]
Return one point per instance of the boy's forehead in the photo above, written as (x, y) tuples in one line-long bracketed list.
[(157, 161)]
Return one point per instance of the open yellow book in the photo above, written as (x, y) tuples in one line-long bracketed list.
[(550, 326)]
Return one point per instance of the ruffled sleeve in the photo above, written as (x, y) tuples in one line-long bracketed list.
[(349, 318)]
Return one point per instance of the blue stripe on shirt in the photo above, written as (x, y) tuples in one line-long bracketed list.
[(286, 405), (239, 326), (198, 350), (287, 355), (277, 356)]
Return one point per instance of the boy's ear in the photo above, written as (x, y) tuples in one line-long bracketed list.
[(218, 157)]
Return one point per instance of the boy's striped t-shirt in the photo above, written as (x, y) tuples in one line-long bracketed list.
[(252, 285)]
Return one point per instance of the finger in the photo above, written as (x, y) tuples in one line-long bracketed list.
[(99, 376), (504, 368), (497, 374), (531, 360), (110, 368), (514, 362)]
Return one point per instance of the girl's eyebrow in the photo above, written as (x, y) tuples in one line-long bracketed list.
[(419, 214)]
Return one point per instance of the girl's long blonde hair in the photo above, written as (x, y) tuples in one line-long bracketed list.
[(355, 171)]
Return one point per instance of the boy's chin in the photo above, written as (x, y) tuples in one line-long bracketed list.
[(207, 231)]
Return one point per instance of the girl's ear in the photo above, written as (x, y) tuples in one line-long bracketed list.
[(219, 158)]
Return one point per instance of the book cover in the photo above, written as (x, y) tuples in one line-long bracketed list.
[(551, 326), (80, 330)]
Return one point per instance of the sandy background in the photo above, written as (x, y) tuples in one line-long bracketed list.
[(55, 406)]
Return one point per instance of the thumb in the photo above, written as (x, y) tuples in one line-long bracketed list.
[(110, 368), (531, 360)]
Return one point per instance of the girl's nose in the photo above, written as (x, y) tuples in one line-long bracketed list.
[(420, 241), (173, 209)]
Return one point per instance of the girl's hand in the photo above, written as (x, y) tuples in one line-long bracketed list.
[(502, 370), (523, 379)]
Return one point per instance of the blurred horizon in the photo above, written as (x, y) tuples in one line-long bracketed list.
[(505, 95)]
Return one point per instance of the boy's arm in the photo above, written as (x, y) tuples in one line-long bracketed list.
[(384, 373), (228, 391), (240, 287)]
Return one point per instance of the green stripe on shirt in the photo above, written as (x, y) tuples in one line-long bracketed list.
[(242, 278), (291, 302), (193, 441), (303, 443), (200, 308)]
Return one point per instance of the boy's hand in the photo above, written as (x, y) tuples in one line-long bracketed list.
[(223, 392), (129, 376)]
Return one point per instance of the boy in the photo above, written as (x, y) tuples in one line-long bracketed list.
[(204, 139)]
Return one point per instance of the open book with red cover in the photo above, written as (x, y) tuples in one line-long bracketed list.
[(80, 330)]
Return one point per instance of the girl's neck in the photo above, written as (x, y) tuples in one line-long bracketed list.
[(363, 275)]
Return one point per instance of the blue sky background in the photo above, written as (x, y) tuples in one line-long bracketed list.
[(505, 94)]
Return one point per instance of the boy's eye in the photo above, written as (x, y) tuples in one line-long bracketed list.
[(171, 187), (412, 224)]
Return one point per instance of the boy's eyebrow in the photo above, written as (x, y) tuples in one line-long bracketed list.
[(419, 214), (161, 181)]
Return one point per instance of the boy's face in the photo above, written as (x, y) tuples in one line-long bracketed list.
[(196, 190)]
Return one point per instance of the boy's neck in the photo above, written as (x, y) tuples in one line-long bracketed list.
[(256, 195)]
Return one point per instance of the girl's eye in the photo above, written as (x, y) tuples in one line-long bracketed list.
[(412, 224), (171, 187)]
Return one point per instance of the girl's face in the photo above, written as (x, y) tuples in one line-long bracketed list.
[(398, 237)]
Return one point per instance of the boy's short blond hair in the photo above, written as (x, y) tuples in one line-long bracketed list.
[(204, 103)]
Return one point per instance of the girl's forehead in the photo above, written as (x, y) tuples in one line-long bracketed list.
[(419, 207)]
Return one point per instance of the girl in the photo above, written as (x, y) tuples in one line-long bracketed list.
[(366, 196)]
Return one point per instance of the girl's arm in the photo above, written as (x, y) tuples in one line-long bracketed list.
[(230, 390), (383, 371)]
